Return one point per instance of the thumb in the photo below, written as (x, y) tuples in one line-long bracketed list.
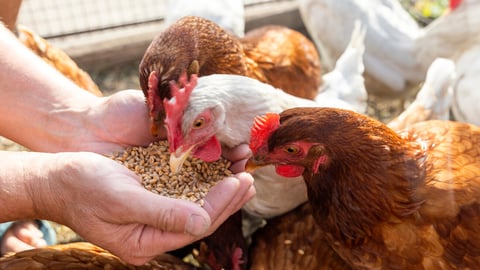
[(171, 215)]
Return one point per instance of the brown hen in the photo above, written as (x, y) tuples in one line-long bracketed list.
[(82, 255), (57, 58), (293, 241), (384, 200), (276, 55)]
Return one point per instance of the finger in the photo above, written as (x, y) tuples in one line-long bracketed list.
[(238, 166), (248, 191), (13, 244), (223, 200), (228, 197), (170, 215), (28, 232), (237, 153)]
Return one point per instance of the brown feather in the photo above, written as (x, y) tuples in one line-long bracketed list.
[(386, 200), (82, 255), (293, 241)]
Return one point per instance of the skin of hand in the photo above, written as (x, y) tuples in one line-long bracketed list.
[(106, 204), (22, 235), (97, 197)]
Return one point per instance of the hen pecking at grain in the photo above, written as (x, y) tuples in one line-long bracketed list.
[(220, 110), (384, 200), (273, 54)]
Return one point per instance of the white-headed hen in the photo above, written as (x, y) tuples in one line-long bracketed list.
[(385, 200), (276, 55)]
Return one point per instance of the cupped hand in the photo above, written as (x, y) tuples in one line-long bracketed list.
[(115, 122), (107, 205)]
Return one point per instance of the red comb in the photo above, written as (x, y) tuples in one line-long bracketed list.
[(153, 101), (262, 128), (175, 106)]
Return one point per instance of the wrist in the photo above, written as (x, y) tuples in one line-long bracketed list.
[(23, 178)]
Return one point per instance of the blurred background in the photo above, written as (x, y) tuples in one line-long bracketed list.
[(108, 38)]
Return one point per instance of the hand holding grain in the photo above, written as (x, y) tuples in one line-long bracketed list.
[(120, 214)]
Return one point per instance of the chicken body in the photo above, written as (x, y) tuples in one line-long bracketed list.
[(397, 51), (383, 200), (82, 255), (293, 241), (433, 100), (272, 54), (58, 59), (466, 96), (230, 15)]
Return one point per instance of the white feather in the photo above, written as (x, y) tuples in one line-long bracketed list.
[(433, 100), (466, 94), (397, 51), (344, 86)]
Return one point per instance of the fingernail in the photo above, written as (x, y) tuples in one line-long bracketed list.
[(196, 225)]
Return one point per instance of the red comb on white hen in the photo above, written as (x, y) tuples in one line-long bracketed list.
[(175, 106)]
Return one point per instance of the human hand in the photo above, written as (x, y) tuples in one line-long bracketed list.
[(238, 156), (105, 203), (21, 235), (115, 122)]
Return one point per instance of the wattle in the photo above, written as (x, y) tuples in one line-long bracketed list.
[(289, 170), (209, 151)]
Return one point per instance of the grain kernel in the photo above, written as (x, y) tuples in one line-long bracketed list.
[(152, 165)]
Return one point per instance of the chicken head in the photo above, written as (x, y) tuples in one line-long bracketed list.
[(200, 139)]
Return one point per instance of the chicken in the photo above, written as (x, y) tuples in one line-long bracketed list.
[(433, 100), (384, 200), (397, 51), (293, 241), (82, 255), (273, 54), (224, 249), (465, 87), (221, 111), (58, 59), (345, 83), (230, 15)]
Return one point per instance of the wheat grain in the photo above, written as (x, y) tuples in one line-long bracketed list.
[(152, 165)]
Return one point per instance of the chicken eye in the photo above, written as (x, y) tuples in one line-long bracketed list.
[(199, 123), (291, 149)]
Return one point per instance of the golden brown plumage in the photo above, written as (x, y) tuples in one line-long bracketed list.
[(82, 255), (287, 59), (276, 55), (293, 241), (58, 59), (384, 200)]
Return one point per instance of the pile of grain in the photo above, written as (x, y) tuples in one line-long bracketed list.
[(191, 183)]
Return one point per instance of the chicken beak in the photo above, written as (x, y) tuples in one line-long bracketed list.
[(252, 165), (177, 158)]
